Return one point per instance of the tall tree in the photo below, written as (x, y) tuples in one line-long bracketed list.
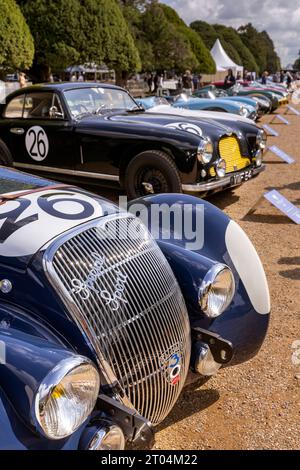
[(206, 63), (261, 46), (297, 62), (206, 31), (170, 47), (273, 60), (67, 32), (16, 42)]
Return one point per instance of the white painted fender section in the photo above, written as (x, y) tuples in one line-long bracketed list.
[(249, 267)]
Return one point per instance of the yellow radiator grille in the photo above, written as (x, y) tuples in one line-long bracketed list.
[(229, 150)]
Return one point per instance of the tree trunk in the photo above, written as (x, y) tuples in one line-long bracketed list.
[(39, 73), (121, 78)]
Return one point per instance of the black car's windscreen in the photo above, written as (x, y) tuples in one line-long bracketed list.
[(97, 99)]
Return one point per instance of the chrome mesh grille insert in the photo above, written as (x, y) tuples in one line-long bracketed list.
[(127, 300)]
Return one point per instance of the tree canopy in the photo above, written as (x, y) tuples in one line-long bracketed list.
[(16, 42), (72, 31), (261, 47), (164, 41), (206, 63), (245, 46)]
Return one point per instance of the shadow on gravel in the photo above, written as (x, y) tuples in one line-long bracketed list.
[(293, 274), (295, 186), (223, 199), (268, 219), (274, 162), (295, 260), (191, 401)]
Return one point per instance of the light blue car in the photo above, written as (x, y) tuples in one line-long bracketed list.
[(206, 104)]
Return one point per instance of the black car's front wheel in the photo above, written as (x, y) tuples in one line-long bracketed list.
[(5, 155), (151, 172)]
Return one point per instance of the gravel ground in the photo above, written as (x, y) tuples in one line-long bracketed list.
[(255, 405)]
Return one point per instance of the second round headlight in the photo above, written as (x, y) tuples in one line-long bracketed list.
[(261, 139), (217, 290), (205, 151), (66, 397)]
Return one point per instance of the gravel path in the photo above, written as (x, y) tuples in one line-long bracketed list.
[(257, 404)]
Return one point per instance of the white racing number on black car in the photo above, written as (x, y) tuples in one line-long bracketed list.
[(187, 127), (37, 143), (29, 222)]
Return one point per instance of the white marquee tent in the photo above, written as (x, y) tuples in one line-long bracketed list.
[(222, 60)]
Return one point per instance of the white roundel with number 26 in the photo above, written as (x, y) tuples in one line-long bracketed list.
[(37, 143), (31, 221)]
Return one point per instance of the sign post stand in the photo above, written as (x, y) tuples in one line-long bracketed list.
[(281, 203)]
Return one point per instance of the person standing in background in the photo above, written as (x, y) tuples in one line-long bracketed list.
[(22, 79), (187, 83), (155, 81), (264, 78), (229, 79), (150, 82), (195, 82), (160, 85)]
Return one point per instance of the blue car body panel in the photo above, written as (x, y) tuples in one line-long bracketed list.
[(38, 331)]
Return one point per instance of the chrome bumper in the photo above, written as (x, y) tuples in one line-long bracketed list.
[(218, 184)]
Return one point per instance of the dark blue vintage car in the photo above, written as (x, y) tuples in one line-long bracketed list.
[(101, 322)]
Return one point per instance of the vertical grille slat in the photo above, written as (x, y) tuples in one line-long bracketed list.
[(126, 294), (229, 150)]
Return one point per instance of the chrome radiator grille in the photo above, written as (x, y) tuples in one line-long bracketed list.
[(126, 299)]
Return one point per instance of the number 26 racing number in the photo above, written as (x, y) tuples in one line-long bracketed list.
[(26, 225), (37, 143)]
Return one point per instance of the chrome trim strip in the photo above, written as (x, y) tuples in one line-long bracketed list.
[(217, 184), (17, 130), (64, 171)]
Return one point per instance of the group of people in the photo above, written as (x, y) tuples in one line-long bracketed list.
[(186, 82), (155, 82), (279, 77)]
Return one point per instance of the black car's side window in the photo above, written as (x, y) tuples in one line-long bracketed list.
[(14, 108), (43, 105), (38, 105)]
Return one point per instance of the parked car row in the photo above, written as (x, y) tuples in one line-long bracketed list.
[(107, 312), (91, 132)]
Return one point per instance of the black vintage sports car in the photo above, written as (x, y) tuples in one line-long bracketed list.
[(95, 132)]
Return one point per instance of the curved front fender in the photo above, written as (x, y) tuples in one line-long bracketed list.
[(245, 321)]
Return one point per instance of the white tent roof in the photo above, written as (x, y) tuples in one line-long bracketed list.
[(222, 60)]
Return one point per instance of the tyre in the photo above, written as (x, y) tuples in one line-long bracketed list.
[(5, 155), (151, 172)]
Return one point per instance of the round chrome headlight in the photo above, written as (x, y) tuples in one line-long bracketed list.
[(243, 112), (221, 168), (108, 437), (66, 397), (205, 151), (261, 139), (217, 290)]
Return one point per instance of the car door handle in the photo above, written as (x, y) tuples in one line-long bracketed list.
[(17, 130)]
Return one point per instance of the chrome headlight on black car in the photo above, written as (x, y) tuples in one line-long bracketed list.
[(205, 151), (66, 397), (217, 290), (261, 139)]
